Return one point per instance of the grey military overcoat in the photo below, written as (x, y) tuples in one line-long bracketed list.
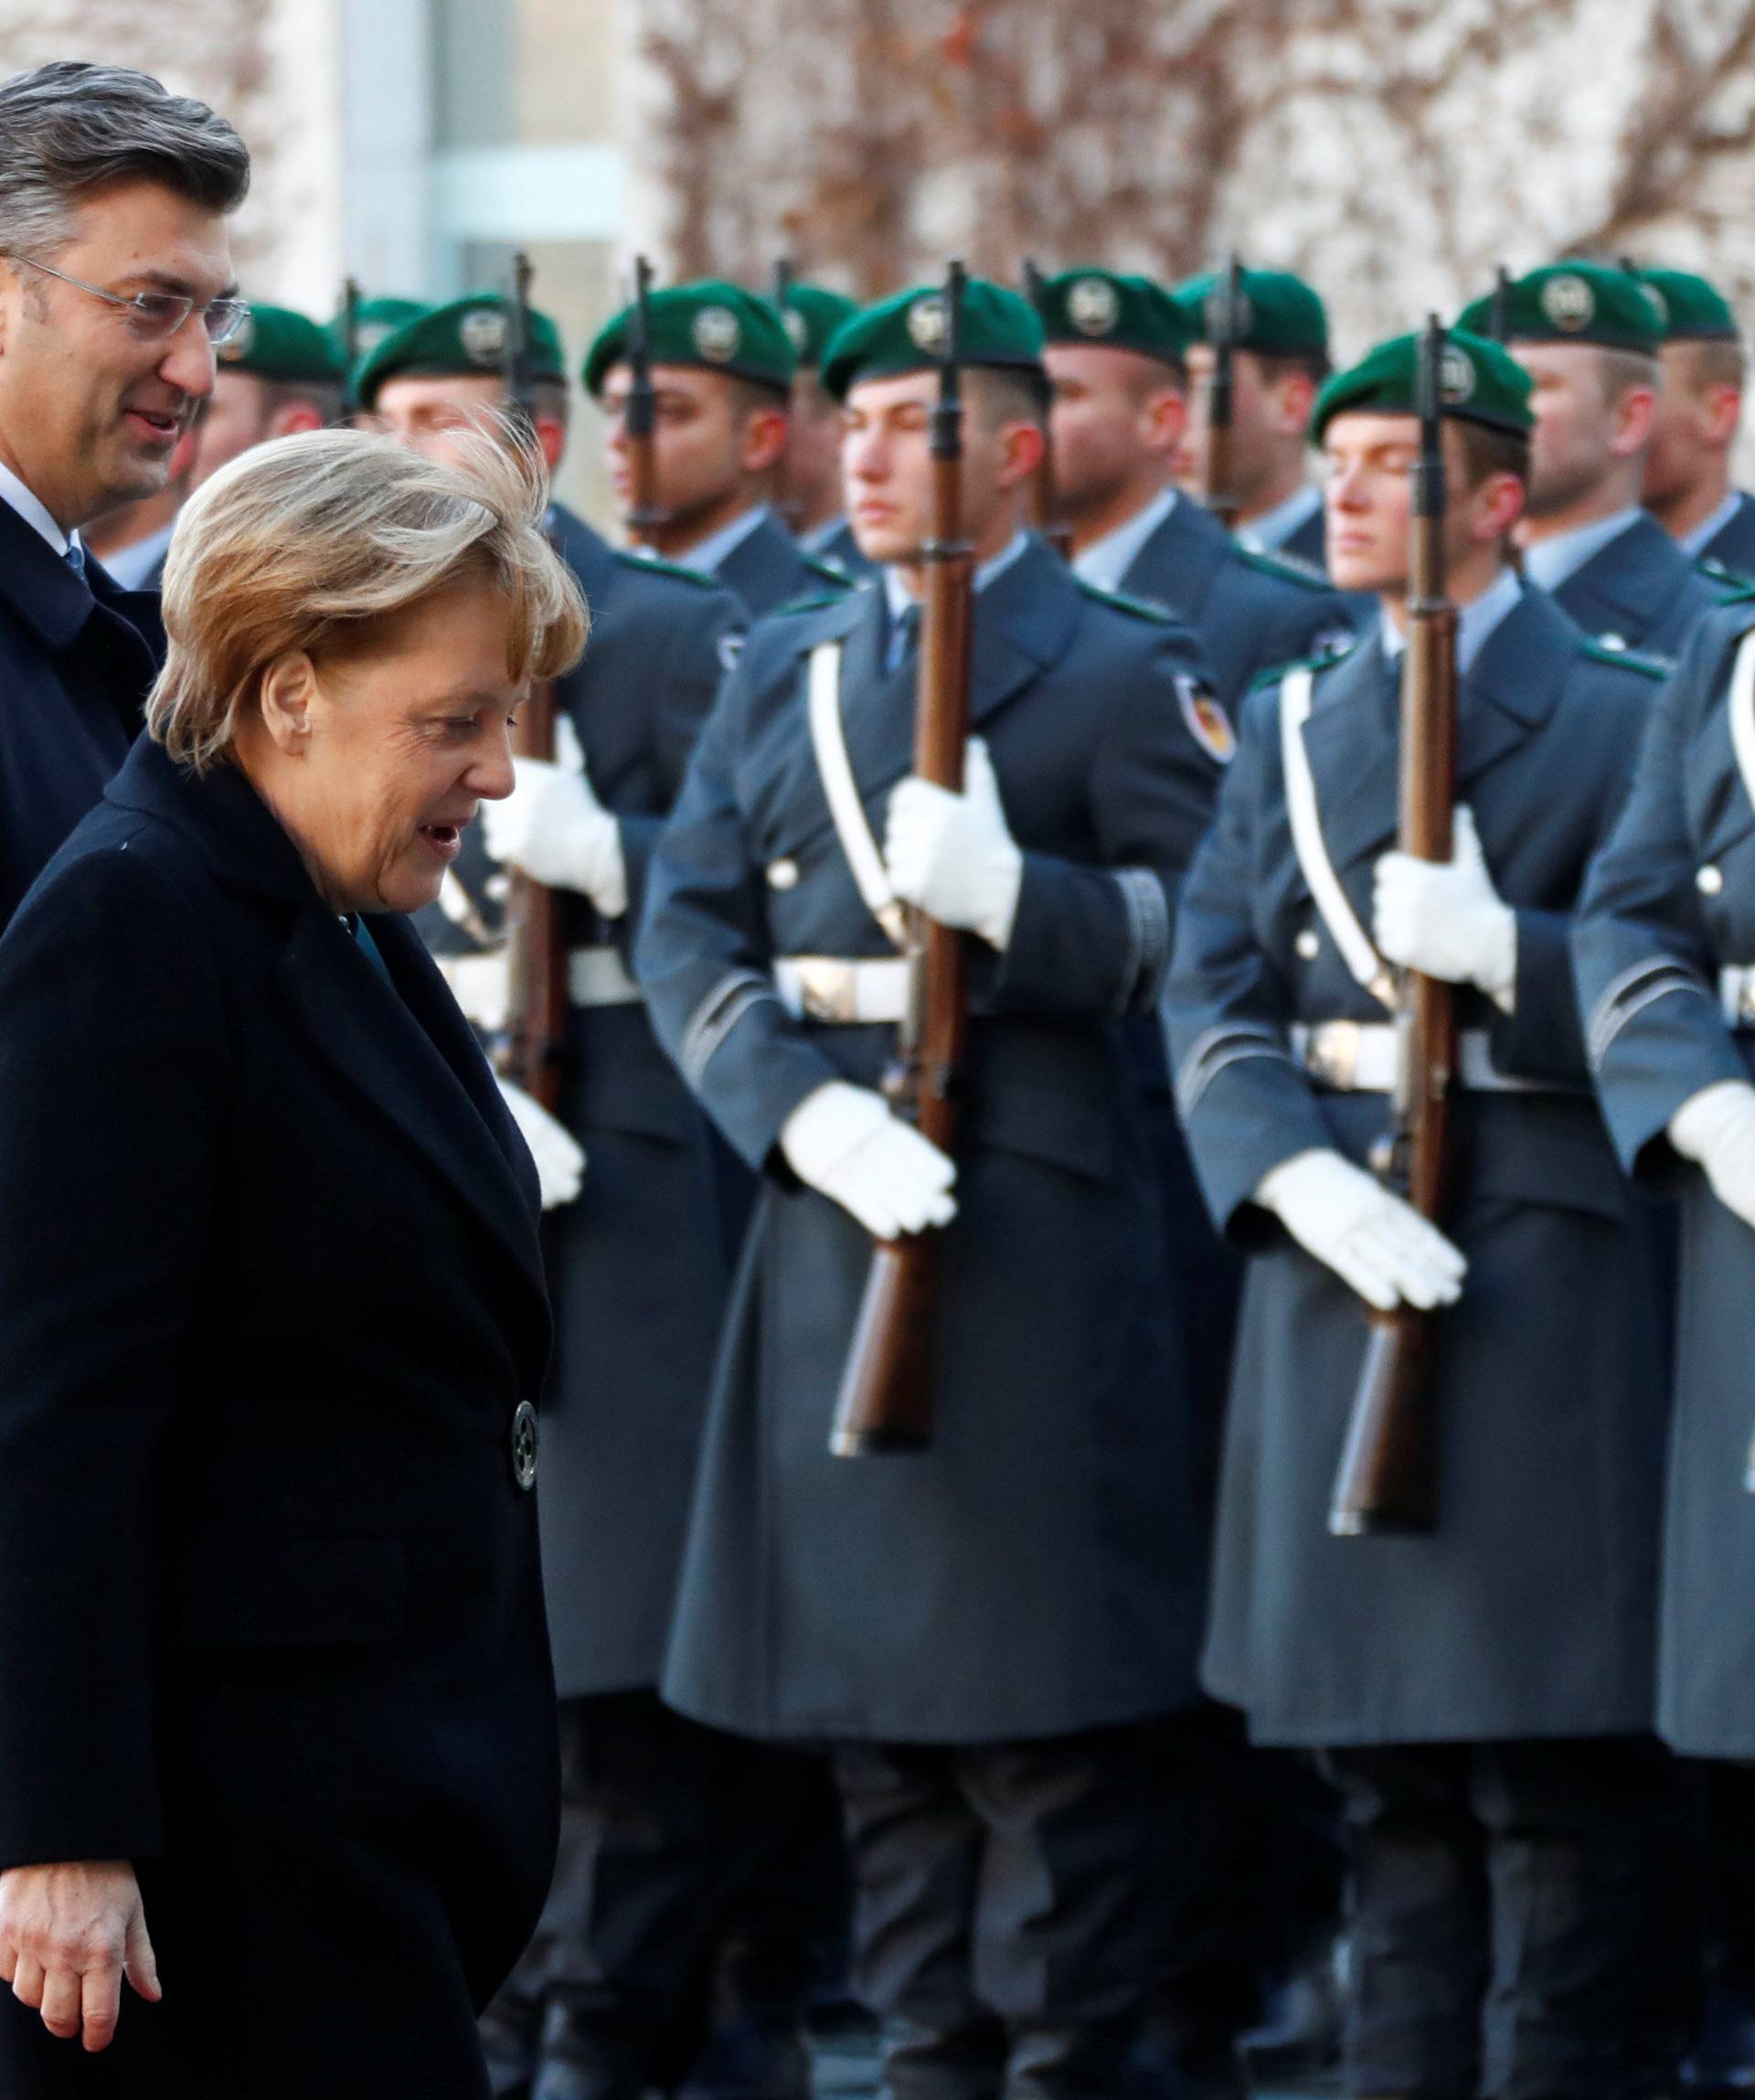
[(1040, 1570), (1528, 1612)]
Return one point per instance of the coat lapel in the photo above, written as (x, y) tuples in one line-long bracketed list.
[(377, 1040), (1625, 587), (1180, 563)]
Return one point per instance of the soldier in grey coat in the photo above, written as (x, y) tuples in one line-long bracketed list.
[(997, 1636), (1483, 1693)]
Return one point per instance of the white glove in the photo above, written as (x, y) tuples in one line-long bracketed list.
[(1376, 1243), (953, 854), (561, 1162), (843, 1142), (553, 827), (1717, 1129), (1446, 920)]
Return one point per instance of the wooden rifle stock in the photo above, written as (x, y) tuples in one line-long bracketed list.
[(1224, 327), (531, 1046), (885, 1401), (1044, 502), (640, 416), (1388, 1480)]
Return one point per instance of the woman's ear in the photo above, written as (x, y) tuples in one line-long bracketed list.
[(289, 689)]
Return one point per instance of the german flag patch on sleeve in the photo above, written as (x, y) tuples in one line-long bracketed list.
[(1208, 723)]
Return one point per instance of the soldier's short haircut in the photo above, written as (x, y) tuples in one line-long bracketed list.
[(1485, 452), (751, 397), (1008, 394), (1621, 369), (1276, 365), (69, 131), (1716, 363), (326, 396)]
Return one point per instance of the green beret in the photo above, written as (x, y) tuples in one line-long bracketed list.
[(811, 314), (719, 327), (1479, 382), (905, 333), (466, 336), (1692, 310), (1283, 316), (277, 344), (373, 320), (1573, 303), (1120, 313)]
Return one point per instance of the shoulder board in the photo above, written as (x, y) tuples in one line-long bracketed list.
[(818, 602), (1731, 582), (651, 562), (1289, 568), (1628, 659), (1141, 608), (830, 572), (1324, 659)]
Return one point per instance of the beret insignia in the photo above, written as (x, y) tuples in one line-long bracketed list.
[(925, 325), (370, 334), (1208, 723), (717, 333), (1456, 375), (237, 346), (1569, 303), (795, 328), (1093, 306), (1660, 305), (482, 334)]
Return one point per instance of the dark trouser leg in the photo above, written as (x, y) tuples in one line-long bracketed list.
[(915, 1847), (619, 1944), (783, 1918), (1096, 1889), (1594, 1932), (1419, 1931)]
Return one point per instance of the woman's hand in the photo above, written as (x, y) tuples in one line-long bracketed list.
[(67, 1937)]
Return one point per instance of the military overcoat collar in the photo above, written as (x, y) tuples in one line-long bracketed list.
[(1024, 623), (411, 1053), (586, 553), (1181, 560), (1352, 734), (1627, 586)]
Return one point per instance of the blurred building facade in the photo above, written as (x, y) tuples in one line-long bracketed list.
[(1393, 154)]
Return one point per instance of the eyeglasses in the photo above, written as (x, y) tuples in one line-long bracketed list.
[(155, 316)]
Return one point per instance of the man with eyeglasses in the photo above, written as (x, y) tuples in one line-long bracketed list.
[(115, 286)]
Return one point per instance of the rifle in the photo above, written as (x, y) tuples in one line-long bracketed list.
[(791, 512), (640, 415), (1388, 1480), (350, 298), (1057, 535), (887, 1389), (1223, 326), (1499, 312), (530, 1048)]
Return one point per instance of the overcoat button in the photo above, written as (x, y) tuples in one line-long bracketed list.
[(1309, 944), (783, 875), (1710, 880), (524, 1439)]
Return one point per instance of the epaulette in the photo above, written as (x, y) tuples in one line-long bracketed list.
[(1141, 608), (1723, 577), (1289, 568), (819, 602), (632, 557), (830, 572), (1321, 660), (1632, 659)]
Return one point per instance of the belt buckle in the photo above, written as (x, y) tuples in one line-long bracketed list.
[(827, 991), (1334, 1053)]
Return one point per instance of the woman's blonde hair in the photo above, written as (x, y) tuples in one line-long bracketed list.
[(308, 542)]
